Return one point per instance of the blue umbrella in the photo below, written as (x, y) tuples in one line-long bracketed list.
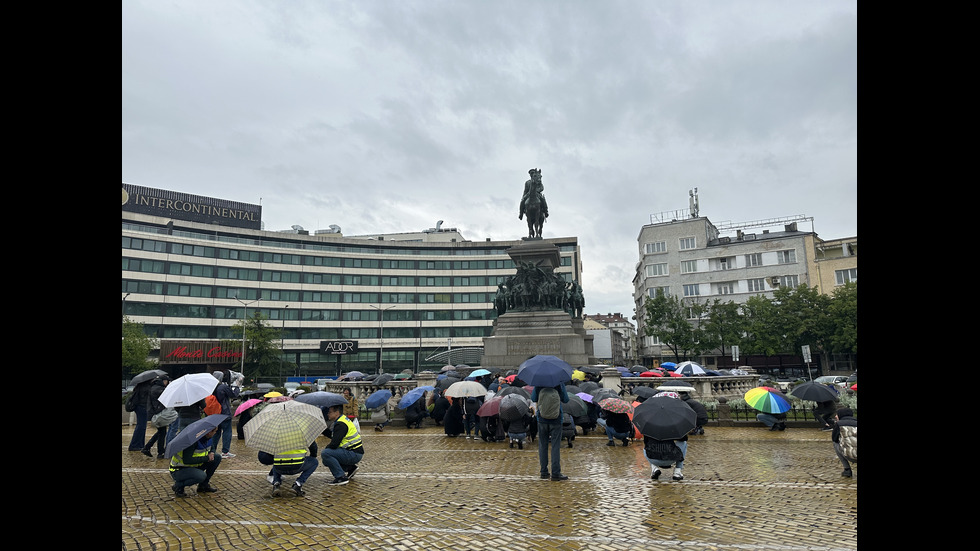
[(321, 399), (413, 396), (192, 433), (546, 371), (479, 373), (668, 365), (377, 399)]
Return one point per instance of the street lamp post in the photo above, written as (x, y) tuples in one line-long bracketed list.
[(381, 319), (244, 325), (282, 342)]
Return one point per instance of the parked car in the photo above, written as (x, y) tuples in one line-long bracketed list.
[(291, 386), (835, 380), (320, 384)]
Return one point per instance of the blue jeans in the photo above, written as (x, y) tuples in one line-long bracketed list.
[(682, 444), (139, 430), (224, 431), (613, 435), (767, 419), (471, 421), (305, 470), (336, 459), (549, 435), (189, 476)]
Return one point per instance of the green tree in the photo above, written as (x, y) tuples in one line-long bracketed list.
[(666, 319), (136, 348), (841, 335), (802, 317), (761, 321), (725, 324), (262, 351)]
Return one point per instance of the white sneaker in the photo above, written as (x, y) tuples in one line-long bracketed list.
[(227, 455), (678, 475), (655, 474)]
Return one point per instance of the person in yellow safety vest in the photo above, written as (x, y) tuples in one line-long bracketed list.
[(301, 461), (345, 449), (195, 465)]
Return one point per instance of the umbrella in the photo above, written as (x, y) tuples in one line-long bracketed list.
[(383, 379), (272, 394), (767, 400), (193, 432), (462, 389), (377, 398), (663, 418), (414, 395), (624, 371), (284, 426), (616, 405), (322, 399), (446, 382), (644, 392), (352, 376), (603, 393), (689, 368), (590, 369), (402, 376), (854, 387), (513, 407), (667, 394), (479, 373), (814, 392), (668, 365), (246, 405), (588, 386), (510, 378), (187, 390), (544, 370), (576, 406), (578, 375), (148, 375), (490, 408), (507, 391), (572, 389), (585, 397), (651, 374), (464, 366), (448, 368)]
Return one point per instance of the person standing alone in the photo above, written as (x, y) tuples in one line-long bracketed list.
[(548, 414)]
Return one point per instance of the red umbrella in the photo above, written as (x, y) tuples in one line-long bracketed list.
[(650, 374), (854, 387), (490, 408), (672, 374), (510, 378), (637, 435)]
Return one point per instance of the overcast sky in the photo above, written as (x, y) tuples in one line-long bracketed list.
[(388, 116)]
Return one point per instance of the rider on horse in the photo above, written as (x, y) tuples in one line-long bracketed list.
[(534, 185)]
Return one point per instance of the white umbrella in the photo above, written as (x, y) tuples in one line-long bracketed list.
[(463, 389), (284, 426), (689, 368), (187, 390)]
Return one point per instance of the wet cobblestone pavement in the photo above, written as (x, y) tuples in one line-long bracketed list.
[(743, 488)]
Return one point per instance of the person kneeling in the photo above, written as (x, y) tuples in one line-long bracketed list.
[(345, 449)]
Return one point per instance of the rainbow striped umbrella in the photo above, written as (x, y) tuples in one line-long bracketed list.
[(767, 400)]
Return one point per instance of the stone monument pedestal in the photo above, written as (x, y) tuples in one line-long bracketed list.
[(520, 334)]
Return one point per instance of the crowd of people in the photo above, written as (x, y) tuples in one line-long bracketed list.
[(546, 422)]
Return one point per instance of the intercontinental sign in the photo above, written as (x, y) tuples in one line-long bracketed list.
[(193, 208)]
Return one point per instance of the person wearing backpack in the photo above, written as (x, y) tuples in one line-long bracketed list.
[(548, 414), (845, 438)]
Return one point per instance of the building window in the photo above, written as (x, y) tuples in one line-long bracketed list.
[(726, 263), (652, 292), (727, 288), (655, 270), (843, 276), (689, 266), (655, 248), (757, 285), (786, 257), (753, 260), (789, 282), (688, 243), (692, 290)]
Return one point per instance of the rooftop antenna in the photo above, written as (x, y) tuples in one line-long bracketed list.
[(694, 202)]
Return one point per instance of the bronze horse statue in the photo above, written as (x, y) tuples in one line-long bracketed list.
[(535, 215)]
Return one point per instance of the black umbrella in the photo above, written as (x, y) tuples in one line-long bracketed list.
[(815, 392), (383, 378), (588, 387), (592, 370), (147, 376), (576, 406), (573, 389), (644, 392), (602, 394), (192, 433), (508, 390), (664, 418)]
